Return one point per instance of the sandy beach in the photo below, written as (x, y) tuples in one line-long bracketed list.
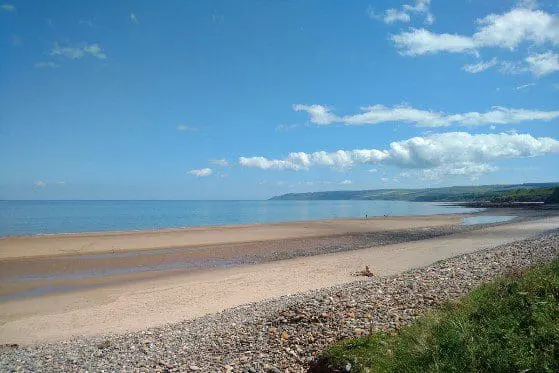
[(105, 242), (167, 296)]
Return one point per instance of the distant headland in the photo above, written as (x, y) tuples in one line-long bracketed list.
[(512, 193)]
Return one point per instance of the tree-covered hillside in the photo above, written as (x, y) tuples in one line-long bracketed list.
[(533, 192)]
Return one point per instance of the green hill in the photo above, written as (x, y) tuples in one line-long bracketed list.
[(531, 192)]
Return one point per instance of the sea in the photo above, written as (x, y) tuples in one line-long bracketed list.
[(48, 217)]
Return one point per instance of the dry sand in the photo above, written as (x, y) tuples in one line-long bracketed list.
[(139, 305)]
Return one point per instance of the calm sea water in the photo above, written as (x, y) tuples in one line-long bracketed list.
[(35, 217)]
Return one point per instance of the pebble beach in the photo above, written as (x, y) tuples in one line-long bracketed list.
[(285, 334)]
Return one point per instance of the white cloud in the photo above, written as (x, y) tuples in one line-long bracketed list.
[(346, 182), (472, 170), (516, 26), (40, 184), (319, 114), (479, 67), (543, 63), (376, 114), (8, 7), (75, 53), (538, 64), (421, 7), (404, 15), (201, 172), (420, 41), (506, 30), (96, 51), (452, 153), (47, 64), (133, 18), (395, 15), (220, 162), (184, 127), (371, 171)]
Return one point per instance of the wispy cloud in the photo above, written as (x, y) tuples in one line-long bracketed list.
[(46, 65), (77, 52), (543, 63), (395, 15), (201, 172), (539, 64), (86, 22), (524, 86), (404, 14), (346, 182), (133, 18), (480, 66), (184, 127), (321, 115), (8, 7), (220, 162), (286, 127), (43, 183), (452, 153)]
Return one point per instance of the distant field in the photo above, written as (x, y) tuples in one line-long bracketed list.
[(534, 192)]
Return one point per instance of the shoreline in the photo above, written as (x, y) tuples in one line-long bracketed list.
[(485, 208), (16, 247), (232, 226)]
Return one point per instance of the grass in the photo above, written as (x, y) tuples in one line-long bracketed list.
[(510, 325)]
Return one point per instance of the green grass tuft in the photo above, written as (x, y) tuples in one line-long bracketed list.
[(510, 325)]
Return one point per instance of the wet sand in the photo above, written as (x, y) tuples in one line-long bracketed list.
[(109, 242), (40, 265), (157, 300), (36, 276)]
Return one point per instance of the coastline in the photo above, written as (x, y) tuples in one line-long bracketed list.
[(136, 305)]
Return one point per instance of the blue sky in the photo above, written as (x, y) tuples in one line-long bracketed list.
[(248, 99)]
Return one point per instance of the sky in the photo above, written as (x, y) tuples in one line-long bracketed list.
[(251, 99)]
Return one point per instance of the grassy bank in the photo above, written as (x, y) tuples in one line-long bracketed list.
[(510, 325)]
